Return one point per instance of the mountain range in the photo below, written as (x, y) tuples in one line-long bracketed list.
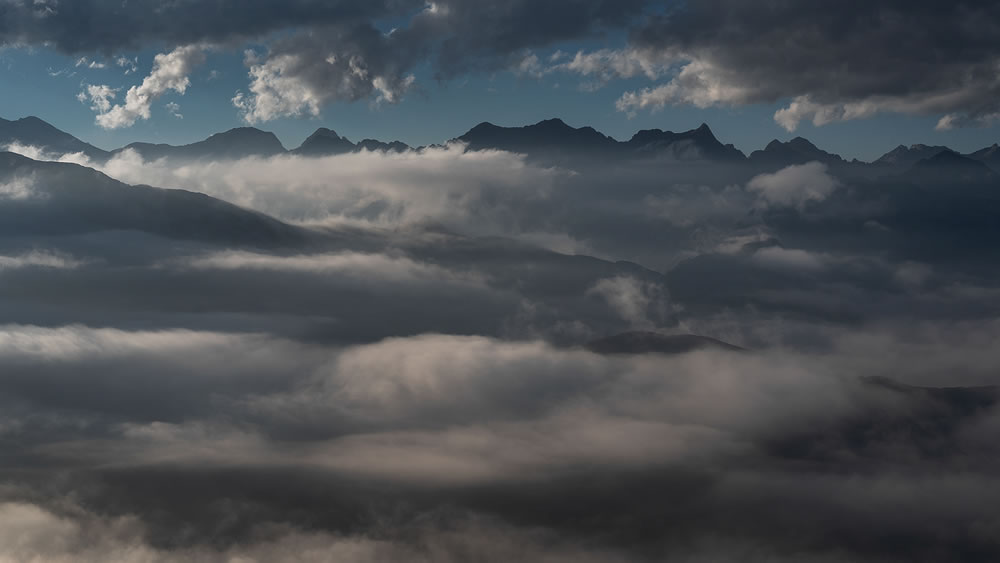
[(548, 139)]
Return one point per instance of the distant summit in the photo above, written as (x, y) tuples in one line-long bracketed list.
[(796, 151), (549, 136), (696, 144), (547, 139), (234, 144), (32, 131), (553, 137), (989, 156), (324, 142), (905, 157), (950, 168)]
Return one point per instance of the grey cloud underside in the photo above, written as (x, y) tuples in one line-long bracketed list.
[(414, 355), (839, 61), (108, 26), (828, 62)]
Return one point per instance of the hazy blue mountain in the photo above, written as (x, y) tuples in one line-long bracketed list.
[(376, 145), (697, 144), (989, 156), (233, 144), (37, 133), (551, 135), (61, 199), (325, 142), (948, 168), (797, 151), (904, 157)]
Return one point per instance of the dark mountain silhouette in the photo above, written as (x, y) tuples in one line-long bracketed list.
[(65, 199), (553, 137), (230, 145), (697, 144), (905, 157), (375, 145), (549, 136), (656, 343), (34, 132), (989, 156), (797, 151), (324, 142), (950, 168)]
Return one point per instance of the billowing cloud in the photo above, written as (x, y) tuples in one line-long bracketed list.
[(833, 63), (794, 186), (303, 73), (171, 71)]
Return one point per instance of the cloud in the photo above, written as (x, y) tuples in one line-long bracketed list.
[(833, 63), (363, 268), (170, 72), (38, 259), (100, 97), (303, 73), (641, 304), (353, 61), (18, 189), (444, 185), (175, 109), (794, 186), (130, 65)]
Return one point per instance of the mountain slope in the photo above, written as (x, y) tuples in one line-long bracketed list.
[(63, 199), (947, 168), (797, 151), (32, 131), (234, 144), (904, 157), (697, 144), (324, 142), (551, 135), (989, 156)]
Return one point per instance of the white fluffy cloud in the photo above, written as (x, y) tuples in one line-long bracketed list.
[(794, 186), (171, 71), (302, 74)]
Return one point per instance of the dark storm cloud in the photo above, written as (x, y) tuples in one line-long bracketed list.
[(836, 61), (338, 51), (302, 73), (108, 26)]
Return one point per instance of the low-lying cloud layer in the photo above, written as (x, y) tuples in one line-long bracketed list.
[(390, 357)]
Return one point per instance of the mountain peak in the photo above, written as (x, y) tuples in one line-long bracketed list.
[(949, 167), (555, 122), (325, 142), (802, 143)]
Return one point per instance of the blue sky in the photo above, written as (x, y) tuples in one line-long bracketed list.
[(41, 82)]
